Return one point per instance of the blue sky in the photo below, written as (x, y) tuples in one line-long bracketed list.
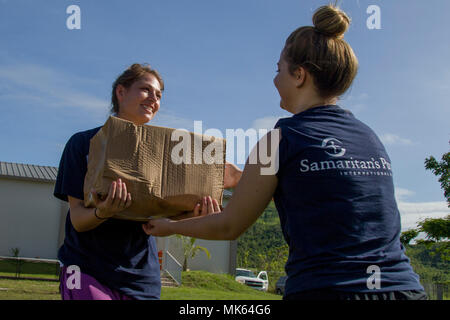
[(218, 60)]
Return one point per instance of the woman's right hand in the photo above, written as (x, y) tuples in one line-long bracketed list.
[(118, 199)]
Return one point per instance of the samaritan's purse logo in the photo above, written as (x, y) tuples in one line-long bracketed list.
[(373, 166), (333, 147)]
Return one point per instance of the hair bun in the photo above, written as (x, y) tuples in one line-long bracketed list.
[(331, 21)]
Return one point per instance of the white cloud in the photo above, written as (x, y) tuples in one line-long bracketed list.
[(355, 103), (393, 139), (401, 193), (164, 118), (413, 212), (39, 84), (45, 86), (265, 122), (239, 149)]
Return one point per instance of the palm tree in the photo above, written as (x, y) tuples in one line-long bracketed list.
[(190, 249)]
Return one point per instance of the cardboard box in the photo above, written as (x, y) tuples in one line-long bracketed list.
[(167, 171)]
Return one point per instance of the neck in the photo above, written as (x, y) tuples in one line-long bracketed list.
[(128, 118), (312, 104)]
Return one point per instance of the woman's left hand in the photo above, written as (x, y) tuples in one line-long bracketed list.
[(208, 206), (161, 227)]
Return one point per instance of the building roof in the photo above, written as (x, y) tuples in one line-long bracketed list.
[(28, 171)]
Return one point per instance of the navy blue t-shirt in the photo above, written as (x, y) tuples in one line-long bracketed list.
[(117, 253), (335, 198)]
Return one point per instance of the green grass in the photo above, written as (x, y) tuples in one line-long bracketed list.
[(28, 290), (184, 293), (197, 285), (30, 269)]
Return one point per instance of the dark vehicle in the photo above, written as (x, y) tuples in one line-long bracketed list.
[(279, 286)]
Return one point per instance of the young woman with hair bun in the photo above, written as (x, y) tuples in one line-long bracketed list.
[(333, 189)]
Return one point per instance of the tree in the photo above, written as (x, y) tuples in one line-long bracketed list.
[(442, 170), (435, 228), (242, 258), (437, 231), (15, 252), (407, 236), (190, 249)]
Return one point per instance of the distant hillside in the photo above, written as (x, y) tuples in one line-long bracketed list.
[(262, 246), (429, 262)]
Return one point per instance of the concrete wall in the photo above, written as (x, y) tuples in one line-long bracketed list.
[(220, 257), (30, 218), (223, 253)]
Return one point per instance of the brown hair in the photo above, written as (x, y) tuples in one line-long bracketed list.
[(323, 52), (128, 77)]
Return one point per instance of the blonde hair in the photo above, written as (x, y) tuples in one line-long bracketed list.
[(323, 52), (128, 77)]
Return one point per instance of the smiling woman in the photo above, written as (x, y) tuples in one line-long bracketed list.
[(94, 242), (138, 91), (115, 259)]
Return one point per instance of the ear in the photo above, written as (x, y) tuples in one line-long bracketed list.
[(120, 92), (300, 75)]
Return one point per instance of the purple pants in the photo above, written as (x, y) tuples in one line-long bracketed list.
[(75, 285)]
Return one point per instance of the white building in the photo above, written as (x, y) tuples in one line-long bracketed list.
[(33, 220)]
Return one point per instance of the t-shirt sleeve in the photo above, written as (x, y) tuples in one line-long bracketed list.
[(72, 169)]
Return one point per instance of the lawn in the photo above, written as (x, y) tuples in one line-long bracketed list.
[(197, 285), (11, 289), (30, 269)]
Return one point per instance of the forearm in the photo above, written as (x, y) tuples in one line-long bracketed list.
[(85, 219), (216, 226), (82, 218), (183, 216)]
